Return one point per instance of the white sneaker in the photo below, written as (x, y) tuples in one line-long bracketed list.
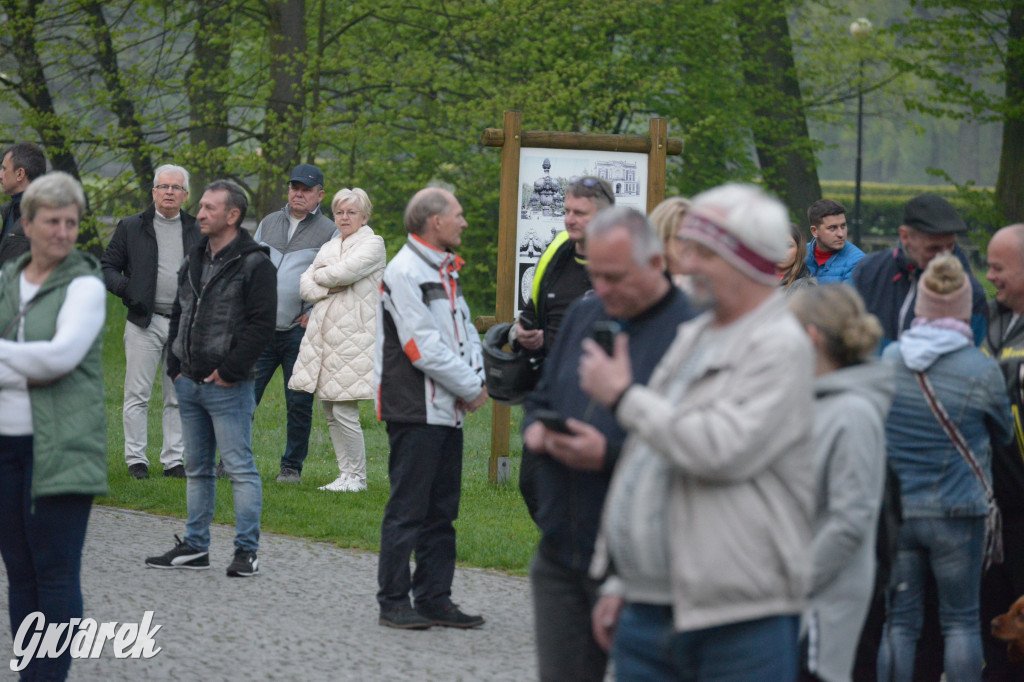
[(337, 485), (355, 485)]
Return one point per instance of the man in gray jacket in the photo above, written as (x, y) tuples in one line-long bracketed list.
[(294, 235), (707, 522)]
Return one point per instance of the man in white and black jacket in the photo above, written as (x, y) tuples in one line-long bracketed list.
[(429, 373), (140, 266)]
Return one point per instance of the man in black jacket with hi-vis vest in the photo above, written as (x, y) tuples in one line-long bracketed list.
[(560, 279)]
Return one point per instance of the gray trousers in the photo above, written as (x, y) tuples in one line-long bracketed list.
[(562, 602), (143, 351)]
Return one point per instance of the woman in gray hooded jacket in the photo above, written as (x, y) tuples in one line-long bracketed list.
[(852, 397)]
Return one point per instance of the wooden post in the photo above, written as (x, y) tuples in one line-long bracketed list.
[(511, 138), (508, 211), (656, 160)]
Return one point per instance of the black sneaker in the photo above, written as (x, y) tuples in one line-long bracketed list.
[(402, 617), (244, 565), (182, 556), (176, 471), (289, 475), (138, 471), (449, 616)]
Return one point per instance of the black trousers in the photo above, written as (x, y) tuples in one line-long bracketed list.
[(425, 468), (1001, 586)]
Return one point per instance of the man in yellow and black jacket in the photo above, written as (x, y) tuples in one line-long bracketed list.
[(560, 279), (1002, 584)]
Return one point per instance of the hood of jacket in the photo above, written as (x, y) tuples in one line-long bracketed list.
[(872, 380), (238, 247), (922, 345)]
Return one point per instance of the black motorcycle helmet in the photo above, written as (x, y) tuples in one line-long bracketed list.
[(509, 375)]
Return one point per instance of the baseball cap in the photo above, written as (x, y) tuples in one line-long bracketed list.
[(308, 175)]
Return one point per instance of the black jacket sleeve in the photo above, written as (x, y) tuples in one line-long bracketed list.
[(115, 262), (172, 363)]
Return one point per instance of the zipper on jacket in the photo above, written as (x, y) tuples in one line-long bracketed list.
[(199, 299)]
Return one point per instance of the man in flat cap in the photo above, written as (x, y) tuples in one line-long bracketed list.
[(887, 280), (294, 235)]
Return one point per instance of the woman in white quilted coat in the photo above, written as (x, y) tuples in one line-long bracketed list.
[(336, 356)]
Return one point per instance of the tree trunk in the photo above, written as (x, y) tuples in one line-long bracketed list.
[(34, 90), (783, 142), (282, 126), (1010, 184), (122, 103), (206, 84)]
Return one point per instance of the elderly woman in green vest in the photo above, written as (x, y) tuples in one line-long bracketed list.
[(52, 421)]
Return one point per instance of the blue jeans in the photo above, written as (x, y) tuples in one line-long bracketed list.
[(425, 468), (42, 550), (219, 418), (952, 549), (282, 351), (648, 649)]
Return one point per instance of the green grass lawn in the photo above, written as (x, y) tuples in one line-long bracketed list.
[(493, 529)]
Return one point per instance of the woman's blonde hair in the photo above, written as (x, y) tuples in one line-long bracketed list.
[(354, 196), (851, 333), (667, 216)]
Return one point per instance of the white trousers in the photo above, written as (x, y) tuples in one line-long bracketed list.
[(143, 351), (347, 436)]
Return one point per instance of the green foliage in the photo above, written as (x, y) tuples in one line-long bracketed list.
[(881, 206), (390, 96)]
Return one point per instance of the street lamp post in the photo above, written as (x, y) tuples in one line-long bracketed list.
[(859, 29)]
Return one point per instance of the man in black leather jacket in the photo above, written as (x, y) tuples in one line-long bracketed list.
[(222, 319)]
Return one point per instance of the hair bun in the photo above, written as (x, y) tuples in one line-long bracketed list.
[(944, 274)]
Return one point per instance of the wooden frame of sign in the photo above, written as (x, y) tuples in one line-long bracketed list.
[(511, 138)]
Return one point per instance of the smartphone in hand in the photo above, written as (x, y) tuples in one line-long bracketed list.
[(552, 420), (604, 332)]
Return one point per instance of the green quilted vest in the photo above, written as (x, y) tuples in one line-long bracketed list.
[(69, 447)]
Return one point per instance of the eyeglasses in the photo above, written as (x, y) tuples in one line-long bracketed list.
[(350, 212), (173, 188), (591, 183)]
